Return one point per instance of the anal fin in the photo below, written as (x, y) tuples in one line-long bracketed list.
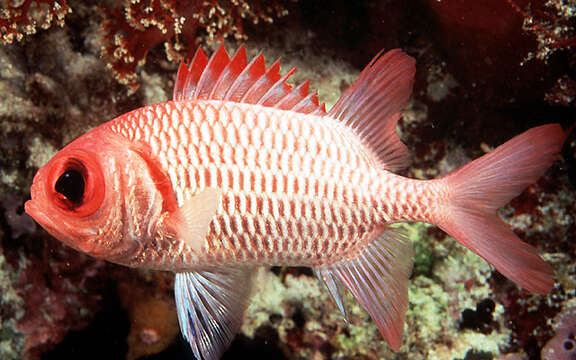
[(330, 279), (378, 279), (210, 307)]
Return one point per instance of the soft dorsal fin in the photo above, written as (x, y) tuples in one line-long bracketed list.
[(373, 103), (234, 79)]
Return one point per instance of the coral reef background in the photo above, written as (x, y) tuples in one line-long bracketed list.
[(486, 71)]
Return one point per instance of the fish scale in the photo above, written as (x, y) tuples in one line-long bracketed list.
[(279, 182)]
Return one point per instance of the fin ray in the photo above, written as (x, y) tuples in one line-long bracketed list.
[(482, 186), (188, 76), (210, 306), (233, 79), (372, 105), (212, 73), (230, 74), (378, 279), (334, 287)]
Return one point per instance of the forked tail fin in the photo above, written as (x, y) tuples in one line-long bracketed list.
[(484, 185)]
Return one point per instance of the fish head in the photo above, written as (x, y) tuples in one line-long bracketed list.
[(79, 196)]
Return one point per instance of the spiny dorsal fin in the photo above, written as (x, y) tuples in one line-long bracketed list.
[(234, 79), (188, 77), (373, 103)]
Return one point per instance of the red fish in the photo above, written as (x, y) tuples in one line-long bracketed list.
[(241, 170)]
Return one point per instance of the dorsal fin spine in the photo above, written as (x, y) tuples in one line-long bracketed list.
[(309, 101), (279, 87), (188, 76), (259, 65), (245, 80), (233, 79), (320, 111), (263, 84), (212, 72), (229, 74), (261, 91), (291, 98)]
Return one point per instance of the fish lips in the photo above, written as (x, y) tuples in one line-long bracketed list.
[(32, 206), (58, 228), (42, 217)]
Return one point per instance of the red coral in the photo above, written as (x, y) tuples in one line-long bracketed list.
[(23, 17), (551, 21), (61, 293), (131, 31)]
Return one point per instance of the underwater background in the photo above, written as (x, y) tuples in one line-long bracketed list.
[(486, 71)]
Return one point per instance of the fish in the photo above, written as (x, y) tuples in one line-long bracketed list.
[(242, 170)]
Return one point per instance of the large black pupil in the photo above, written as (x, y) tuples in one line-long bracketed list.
[(71, 185)]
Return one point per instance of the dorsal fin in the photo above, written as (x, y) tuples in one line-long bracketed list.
[(188, 77), (230, 74), (234, 79), (373, 103)]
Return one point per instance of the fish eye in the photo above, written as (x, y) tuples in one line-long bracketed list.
[(71, 184), (75, 184)]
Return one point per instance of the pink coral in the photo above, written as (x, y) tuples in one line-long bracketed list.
[(24, 17), (563, 345)]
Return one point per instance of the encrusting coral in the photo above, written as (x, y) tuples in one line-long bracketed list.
[(19, 18), (551, 22), (55, 87), (563, 345), (131, 30)]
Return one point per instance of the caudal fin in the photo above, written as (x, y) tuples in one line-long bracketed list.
[(484, 185)]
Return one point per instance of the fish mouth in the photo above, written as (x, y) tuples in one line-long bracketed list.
[(32, 209), (59, 228), (48, 223), (31, 206), (42, 215)]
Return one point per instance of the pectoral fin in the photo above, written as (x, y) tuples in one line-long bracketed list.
[(210, 307), (191, 222)]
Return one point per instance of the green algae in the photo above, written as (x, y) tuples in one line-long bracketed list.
[(422, 244)]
